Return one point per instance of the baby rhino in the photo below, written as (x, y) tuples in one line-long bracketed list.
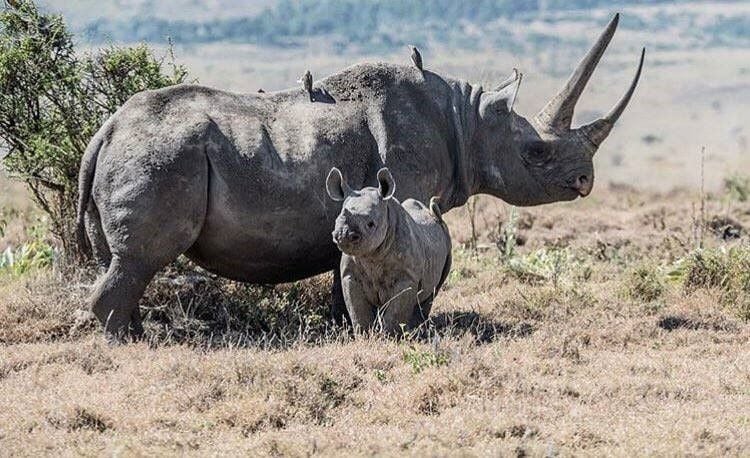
[(395, 256)]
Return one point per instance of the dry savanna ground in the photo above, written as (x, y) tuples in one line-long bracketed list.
[(589, 328)]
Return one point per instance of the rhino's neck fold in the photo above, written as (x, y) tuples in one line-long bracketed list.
[(464, 107)]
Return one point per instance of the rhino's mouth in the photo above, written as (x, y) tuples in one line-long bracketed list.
[(580, 192)]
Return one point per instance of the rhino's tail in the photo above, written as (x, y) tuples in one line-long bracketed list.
[(85, 182)]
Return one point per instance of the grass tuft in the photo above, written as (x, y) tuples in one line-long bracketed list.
[(726, 270), (645, 283), (420, 359)]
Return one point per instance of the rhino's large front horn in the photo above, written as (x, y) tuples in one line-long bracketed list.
[(558, 113)]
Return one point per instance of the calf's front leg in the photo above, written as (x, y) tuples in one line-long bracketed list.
[(361, 310), (396, 314)]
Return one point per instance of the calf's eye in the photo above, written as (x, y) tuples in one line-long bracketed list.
[(370, 224)]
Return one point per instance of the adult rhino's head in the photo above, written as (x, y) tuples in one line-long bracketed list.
[(362, 225), (546, 160)]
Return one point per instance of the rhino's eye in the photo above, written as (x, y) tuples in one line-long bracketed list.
[(538, 152), (370, 224)]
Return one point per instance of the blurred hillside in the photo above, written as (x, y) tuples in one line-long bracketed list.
[(375, 25), (694, 92)]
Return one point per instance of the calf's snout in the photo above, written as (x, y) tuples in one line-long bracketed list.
[(346, 236)]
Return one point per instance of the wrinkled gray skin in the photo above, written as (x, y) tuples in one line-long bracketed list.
[(236, 181), (395, 256)]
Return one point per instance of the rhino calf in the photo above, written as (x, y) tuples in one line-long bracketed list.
[(395, 256)]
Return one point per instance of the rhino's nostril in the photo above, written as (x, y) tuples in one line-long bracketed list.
[(583, 185), (354, 237)]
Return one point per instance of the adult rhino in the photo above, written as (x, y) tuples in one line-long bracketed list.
[(237, 182)]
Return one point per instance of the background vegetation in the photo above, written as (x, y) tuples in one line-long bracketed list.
[(370, 24), (52, 101)]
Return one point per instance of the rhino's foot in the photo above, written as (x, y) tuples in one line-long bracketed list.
[(131, 333), (115, 299), (119, 331)]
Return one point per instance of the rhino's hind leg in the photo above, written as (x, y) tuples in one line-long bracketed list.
[(148, 218), (116, 295)]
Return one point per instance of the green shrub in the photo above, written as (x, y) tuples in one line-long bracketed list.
[(509, 235), (738, 187), (27, 257), (539, 266), (52, 100), (35, 254), (726, 270), (420, 359), (646, 283)]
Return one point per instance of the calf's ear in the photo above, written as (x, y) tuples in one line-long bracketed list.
[(336, 186), (386, 185)]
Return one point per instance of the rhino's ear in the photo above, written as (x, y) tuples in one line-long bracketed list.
[(502, 100), (386, 185), (510, 79), (336, 186)]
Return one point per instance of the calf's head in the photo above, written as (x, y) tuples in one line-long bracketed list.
[(362, 225), (542, 160)]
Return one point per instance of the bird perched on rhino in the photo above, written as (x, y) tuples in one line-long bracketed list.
[(307, 81), (416, 57)]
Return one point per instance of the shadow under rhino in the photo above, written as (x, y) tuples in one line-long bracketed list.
[(482, 328)]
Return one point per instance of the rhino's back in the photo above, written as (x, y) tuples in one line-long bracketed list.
[(268, 217)]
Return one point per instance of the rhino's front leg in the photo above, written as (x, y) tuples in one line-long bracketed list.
[(338, 304), (421, 312)]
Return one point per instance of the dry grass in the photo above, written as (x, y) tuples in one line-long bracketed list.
[(597, 346)]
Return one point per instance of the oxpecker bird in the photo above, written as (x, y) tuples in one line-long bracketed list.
[(416, 57), (307, 83)]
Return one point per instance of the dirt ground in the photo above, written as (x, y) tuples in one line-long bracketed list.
[(555, 348)]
